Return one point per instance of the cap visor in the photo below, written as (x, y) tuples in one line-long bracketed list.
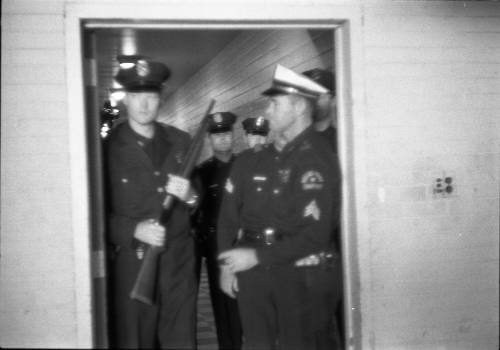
[(274, 91), (141, 88), (219, 130)]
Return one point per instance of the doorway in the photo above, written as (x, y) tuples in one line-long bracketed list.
[(252, 105)]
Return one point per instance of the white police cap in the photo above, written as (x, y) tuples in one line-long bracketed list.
[(286, 82)]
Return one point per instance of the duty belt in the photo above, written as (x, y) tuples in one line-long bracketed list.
[(266, 236), (324, 258), (269, 236)]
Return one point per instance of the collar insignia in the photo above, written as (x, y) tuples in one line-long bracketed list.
[(284, 175)]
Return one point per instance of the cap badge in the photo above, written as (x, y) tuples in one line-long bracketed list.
[(142, 68), (218, 118), (260, 121)]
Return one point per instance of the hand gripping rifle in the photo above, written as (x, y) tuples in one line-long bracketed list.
[(145, 283)]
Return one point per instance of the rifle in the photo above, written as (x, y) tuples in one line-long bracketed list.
[(145, 283)]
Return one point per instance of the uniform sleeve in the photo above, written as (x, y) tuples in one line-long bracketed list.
[(229, 220), (121, 230), (315, 194), (197, 212)]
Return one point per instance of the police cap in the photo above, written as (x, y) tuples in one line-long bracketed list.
[(256, 126), (323, 77), (144, 75), (220, 122), (286, 82)]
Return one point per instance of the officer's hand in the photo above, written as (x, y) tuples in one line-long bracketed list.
[(150, 232), (311, 260), (179, 187), (228, 282), (239, 259)]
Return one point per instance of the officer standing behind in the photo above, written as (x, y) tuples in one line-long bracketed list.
[(325, 114), (139, 155), (325, 120), (256, 131), (285, 199), (211, 175)]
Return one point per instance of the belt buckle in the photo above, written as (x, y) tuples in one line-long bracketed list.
[(269, 237)]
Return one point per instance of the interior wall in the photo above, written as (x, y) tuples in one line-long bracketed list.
[(428, 264), (37, 288)]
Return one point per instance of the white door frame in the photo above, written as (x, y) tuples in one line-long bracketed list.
[(344, 18)]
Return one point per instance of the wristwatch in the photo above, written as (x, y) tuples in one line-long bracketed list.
[(193, 200)]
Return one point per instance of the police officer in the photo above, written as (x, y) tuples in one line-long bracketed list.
[(282, 201), (139, 155), (325, 114), (256, 131), (329, 285), (211, 176)]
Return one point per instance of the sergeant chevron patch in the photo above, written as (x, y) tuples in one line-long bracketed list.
[(312, 210)]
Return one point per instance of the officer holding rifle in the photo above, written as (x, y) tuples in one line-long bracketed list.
[(140, 155)]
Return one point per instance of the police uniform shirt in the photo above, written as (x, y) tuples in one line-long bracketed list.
[(137, 173), (330, 134), (212, 175), (295, 191)]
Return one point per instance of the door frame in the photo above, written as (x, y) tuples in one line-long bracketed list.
[(344, 19)]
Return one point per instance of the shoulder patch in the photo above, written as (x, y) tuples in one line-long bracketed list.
[(312, 180)]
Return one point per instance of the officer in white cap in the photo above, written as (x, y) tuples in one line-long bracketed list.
[(284, 201), (140, 155), (211, 175), (256, 131)]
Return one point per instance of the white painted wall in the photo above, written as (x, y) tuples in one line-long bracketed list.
[(430, 264), (425, 104), (37, 288)]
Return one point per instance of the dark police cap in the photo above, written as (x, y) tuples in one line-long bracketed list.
[(220, 122), (144, 75), (323, 77), (287, 82), (256, 126)]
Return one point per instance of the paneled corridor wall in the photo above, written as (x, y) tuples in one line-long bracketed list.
[(236, 77)]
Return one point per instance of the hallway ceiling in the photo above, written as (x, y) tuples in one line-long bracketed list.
[(183, 51)]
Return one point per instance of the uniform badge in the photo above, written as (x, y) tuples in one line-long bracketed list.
[(142, 68), (259, 178), (305, 146), (284, 175), (229, 186), (312, 180), (312, 209), (178, 157)]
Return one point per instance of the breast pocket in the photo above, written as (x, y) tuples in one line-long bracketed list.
[(260, 185), (130, 184)]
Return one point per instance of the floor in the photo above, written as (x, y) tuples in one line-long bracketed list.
[(207, 338)]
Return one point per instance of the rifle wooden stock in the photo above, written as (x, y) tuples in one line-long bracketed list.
[(145, 283)]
